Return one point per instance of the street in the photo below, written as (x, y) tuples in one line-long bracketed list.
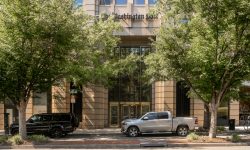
[(182, 148)]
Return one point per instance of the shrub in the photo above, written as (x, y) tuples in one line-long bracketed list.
[(192, 136), (15, 140), (38, 138), (3, 139), (221, 128), (235, 138)]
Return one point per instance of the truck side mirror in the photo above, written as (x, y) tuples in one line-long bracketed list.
[(145, 118)]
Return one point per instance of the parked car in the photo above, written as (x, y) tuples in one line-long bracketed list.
[(158, 122), (52, 124)]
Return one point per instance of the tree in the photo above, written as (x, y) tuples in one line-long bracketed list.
[(206, 44), (43, 41)]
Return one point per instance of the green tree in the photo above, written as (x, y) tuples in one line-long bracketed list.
[(206, 44), (42, 41)]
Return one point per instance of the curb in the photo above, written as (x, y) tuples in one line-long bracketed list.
[(131, 146)]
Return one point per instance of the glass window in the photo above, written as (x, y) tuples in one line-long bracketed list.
[(36, 118), (163, 115), (151, 116), (79, 2), (40, 98), (151, 2), (105, 2), (139, 2), (120, 2)]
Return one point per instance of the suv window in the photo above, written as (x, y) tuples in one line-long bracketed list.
[(61, 117), (163, 115), (36, 118), (46, 117)]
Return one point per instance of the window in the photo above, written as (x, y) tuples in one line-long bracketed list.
[(120, 2), (151, 2), (163, 115), (36, 118), (105, 2), (139, 2), (151, 116), (79, 2)]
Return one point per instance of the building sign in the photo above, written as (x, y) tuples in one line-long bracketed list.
[(127, 16)]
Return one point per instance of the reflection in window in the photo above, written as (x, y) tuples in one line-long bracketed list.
[(222, 116), (79, 2), (139, 2), (120, 2), (131, 87), (105, 2), (152, 2), (151, 116)]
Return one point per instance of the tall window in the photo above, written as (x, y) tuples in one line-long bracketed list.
[(120, 2), (79, 2), (151, 2), (105, 2), (139, 2)]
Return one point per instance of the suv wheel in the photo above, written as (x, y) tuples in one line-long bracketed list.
[(182, 130), (56, 133), (133, 131)]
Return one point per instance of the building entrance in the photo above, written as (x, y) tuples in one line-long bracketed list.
[(126, 110)]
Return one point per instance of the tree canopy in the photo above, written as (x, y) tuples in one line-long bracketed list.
[(43, 41), (206, 44)]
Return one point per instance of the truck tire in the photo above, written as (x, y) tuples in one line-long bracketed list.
[(133, 131), (182, 131)]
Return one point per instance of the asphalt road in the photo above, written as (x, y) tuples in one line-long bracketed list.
[(180, 148)]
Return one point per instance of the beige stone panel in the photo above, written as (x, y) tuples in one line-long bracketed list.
[(234, 112), (198, 106), (1, 111), (234, 106), (1, 127), (169, 83), (169, 89), (169, 94), (1, 117), (1, 106)]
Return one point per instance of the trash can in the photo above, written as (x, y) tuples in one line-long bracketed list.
[(231, 124)]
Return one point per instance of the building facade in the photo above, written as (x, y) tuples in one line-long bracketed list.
[(98, 107)]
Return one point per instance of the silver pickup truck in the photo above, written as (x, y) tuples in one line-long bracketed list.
[(158, 122)]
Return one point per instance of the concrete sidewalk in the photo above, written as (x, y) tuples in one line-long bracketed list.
[(110, 138)]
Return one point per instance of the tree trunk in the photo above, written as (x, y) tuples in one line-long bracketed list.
[(207, 117), (213, 121), (22, 120)]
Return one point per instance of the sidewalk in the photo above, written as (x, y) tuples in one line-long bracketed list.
[(109, 138)]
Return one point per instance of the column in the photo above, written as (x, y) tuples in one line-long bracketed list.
[(61, 97), (234, 111), (164, 98), (95, 107)]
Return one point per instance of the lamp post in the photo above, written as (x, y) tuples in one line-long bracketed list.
[(73, 92)]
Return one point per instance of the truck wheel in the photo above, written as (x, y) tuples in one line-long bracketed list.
[(133, 131), (182, 131), (56, 133)]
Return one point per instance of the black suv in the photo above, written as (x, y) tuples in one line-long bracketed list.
[(52, 124)]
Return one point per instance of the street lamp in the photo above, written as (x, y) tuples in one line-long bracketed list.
[(73, 92)]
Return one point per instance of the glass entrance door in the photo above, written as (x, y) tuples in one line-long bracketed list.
[(126, 110), (114, 115)]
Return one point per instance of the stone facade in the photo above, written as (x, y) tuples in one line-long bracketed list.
[(95, 107)]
